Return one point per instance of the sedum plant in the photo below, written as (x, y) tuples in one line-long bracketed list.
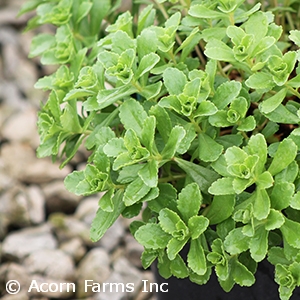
[(190, 112)]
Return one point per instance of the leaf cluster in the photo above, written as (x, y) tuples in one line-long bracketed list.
[(190, 112)]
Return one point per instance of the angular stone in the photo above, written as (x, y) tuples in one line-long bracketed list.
[(21, 127), (22, 206), (59, 199), (36, 204), (54, 264), (86, 210), (20, 162), (130, 274), (68, 227), (12, 271), (94, 266), (114, 288), (125, 282), (75, 248), (19, 244), (133, 250)]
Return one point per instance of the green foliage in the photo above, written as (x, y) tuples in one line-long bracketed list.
[(190, 112)]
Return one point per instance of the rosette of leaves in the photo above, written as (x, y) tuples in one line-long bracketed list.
[(190, 113)]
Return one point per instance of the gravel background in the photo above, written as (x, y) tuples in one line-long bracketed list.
[(44, 230)]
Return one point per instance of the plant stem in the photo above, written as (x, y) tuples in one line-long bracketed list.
[(200, 55), (171, 178)]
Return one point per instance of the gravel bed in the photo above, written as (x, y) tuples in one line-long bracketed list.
[(44, 230)]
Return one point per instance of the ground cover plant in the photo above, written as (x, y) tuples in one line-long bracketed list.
[(190, 111)]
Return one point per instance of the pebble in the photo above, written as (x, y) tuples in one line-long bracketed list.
[(31, 239), (52, 263), (74, 248), (21, 127), (59, 199), (19, 161), (94, 266), (87, 209), (13, 271), (68, 227)]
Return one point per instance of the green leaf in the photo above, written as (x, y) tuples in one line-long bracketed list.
[(151, 236), (189, 201), (275, 220), (176, 136), (135, 191), (247, 124), (261, 204), (166, 198), (83, 10), (290, 230), (204, 177), (205, 108), (273, 102), (132, 211), (218, 50), (78, 94), (226, 93), (276, 256), (171, 102), (148, 257), (220, 209), (72, 180), (148, 132), (209, 149), (146, 18), (288, 174), (236, 242), (104, 219), (295, 37), (152, 194), (260, 81), (285, 154), (114, 147), (168, 220), (282, 115), (282, 194), (149, 173), (259, 244), (241, 274), (28, 6), (295, 201), (146, 64), (41, 43), (69, 119), (196, 257), (264, 180), (107, 97), (175, 246), (186, 142), (223, 186), (202, 12), (133, 116), (179, 268), (163, 121), (106, 202), (197, 225), (174, 80)]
